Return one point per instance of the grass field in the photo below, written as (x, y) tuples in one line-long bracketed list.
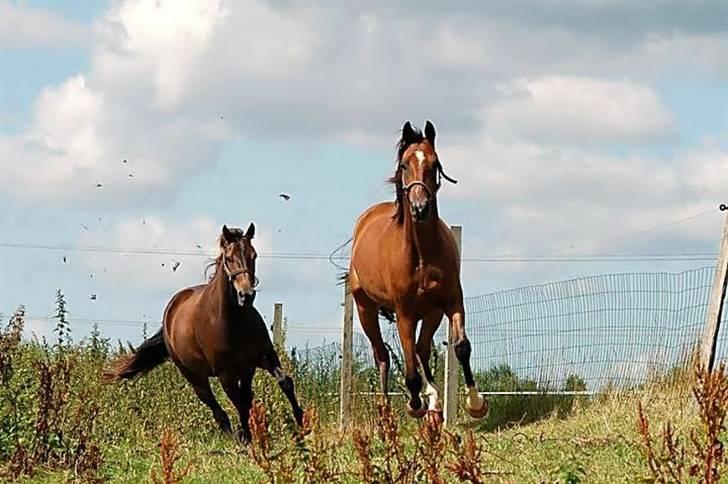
[(59, 422)]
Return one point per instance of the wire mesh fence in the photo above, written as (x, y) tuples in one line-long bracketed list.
[(579, 335), (615, 329)]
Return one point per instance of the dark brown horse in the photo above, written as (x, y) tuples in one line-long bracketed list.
[(405, 261), (214, 330)]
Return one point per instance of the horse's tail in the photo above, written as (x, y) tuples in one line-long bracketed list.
[(388, 314), (150, 354)]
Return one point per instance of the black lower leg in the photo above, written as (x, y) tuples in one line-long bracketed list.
[(462, 352), (426, 369), (240, 392), (222, 419), (246, 402), (414, 385), (287, 387)]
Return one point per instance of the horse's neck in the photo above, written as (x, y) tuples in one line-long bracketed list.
[(220, 292), (422, 239)]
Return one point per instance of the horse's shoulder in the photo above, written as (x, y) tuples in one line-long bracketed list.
[(182, 295), (375, 211)]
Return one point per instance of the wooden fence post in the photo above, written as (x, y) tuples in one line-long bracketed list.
[(451, 362), (715, 305), (345, 392), (278, 325)]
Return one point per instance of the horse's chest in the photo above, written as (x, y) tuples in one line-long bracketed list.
[(428, 282)]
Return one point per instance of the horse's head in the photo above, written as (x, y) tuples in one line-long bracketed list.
[(237, 256), (419, 171)]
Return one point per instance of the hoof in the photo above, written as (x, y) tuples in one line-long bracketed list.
[(435, 417), (477, 407), (419, 413)]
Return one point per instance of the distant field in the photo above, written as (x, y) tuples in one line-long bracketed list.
[(59, 422)]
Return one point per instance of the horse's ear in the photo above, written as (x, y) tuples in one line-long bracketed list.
[(227, 236), (250, 233), (430, 132), (408, 133)]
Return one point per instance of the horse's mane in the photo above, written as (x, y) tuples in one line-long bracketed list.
[(211, 267), (415, 137)]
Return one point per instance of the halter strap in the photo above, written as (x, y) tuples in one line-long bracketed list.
[(438, 182), (233, 274), (413, 184)]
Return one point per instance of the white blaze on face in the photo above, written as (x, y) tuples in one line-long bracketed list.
[(420, 155)]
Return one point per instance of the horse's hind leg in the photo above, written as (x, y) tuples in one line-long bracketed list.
[(476, 405), (240, 392), (201, 385), (424, 347), (272, 365), (369, 319)]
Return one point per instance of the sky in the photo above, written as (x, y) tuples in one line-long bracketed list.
[(577, 131)]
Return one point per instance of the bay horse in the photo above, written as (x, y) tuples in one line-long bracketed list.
[(214, 330), (404, 261)]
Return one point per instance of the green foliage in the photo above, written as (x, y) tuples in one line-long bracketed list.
[(60, 422), (507, 410)]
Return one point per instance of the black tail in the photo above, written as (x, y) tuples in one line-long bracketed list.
[(388, 314), (150, 354)]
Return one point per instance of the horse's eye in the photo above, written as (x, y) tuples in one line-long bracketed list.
[(403, 166)]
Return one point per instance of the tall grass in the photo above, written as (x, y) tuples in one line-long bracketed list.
[(59, 421)]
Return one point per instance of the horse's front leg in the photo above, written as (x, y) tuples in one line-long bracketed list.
[(239, 390), (201, 386), (272, 365), (430, 324), (406, 328), (476, 405)]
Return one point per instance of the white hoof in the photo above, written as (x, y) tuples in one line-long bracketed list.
[(475, 404)]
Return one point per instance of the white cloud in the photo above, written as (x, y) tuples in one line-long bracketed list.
[(23, 26), (158, 44), (567, 109), (79, 139), (170, 82), (568, 200)]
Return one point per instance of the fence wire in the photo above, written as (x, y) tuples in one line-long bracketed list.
[(615, 329), (585, 334)]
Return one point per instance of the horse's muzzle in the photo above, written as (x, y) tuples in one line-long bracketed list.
[(246, 299), (420, 210)]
